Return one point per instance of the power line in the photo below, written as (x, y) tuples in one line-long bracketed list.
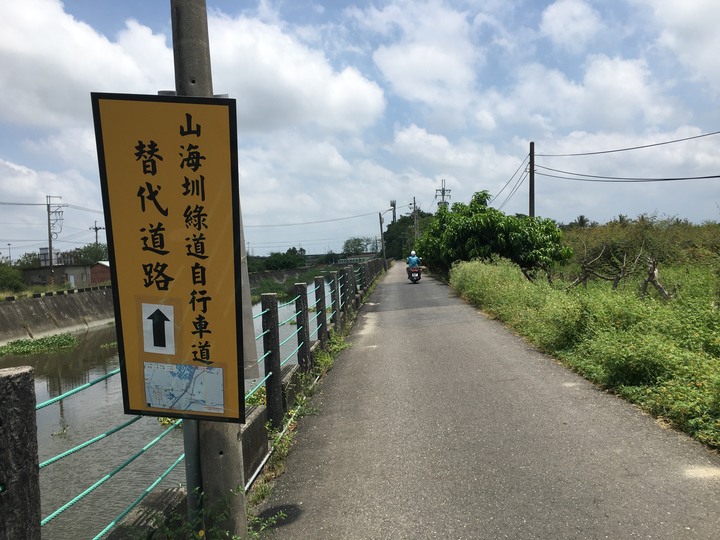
[(517, 185), (628, 179), (92, 210), (22, 204), (312, 222), (630, 147), (511, 179)]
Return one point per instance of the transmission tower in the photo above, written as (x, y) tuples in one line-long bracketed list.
[(444, 192)]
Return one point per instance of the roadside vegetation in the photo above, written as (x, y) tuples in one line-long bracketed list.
[(286, 289), (632, 305)]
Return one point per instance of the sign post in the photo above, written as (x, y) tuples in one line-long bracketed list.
[(196, 344)]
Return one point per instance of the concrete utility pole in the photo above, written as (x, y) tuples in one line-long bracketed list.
[(96, 229), (415, 217), (213, 450), (382, 237), (531, 211)]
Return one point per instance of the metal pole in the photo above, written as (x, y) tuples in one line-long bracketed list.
[(50, 257), (217, 467)]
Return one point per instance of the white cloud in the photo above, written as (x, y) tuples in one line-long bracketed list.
[(343, 109), (614, 93), (281, 83), (570, 24), (622, 92), (435, 149), (70, 147), (690, 31), (429, 55), (43, 77)]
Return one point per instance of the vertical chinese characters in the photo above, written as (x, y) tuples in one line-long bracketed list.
[(155, 271), (197, 224)]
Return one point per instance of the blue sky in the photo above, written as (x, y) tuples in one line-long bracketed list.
[(344, 106)]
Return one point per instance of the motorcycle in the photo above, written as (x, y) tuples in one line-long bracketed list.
[(415, 274)]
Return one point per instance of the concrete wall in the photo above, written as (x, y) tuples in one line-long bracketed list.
[(47, 315)]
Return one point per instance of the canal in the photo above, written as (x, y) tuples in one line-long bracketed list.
[(96, 410)]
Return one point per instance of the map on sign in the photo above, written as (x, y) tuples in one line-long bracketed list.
[(184, 388)]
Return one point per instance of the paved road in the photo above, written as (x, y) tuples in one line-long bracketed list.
[(439, 423)]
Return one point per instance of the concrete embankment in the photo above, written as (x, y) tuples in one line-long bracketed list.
[(48, 314), (79, 309)]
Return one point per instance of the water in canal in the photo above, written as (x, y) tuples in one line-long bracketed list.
[(89, 413)]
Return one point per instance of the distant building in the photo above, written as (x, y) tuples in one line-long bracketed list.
[(74, 276), (358, 259), (100, 273)]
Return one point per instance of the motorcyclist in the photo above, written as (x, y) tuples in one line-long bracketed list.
[(413, 261)]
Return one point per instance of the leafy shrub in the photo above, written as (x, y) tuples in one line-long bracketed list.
[(11, 279), (632, 359)]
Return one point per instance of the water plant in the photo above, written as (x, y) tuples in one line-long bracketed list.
[(24, 347)]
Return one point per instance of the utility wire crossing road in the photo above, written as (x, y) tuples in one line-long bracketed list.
[(439, 423)]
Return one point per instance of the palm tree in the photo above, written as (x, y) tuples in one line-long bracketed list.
[(581, 222)]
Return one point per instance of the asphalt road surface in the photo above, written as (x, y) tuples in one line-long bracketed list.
[(440, 423)]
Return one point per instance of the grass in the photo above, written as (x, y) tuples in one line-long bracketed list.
[(661, 355)]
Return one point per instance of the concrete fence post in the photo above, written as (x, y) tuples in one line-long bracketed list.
[(344, 290), (303, 326), (349, 288), (335, 293), (355, 288), (19, 471), (321, 307), (271, 346)]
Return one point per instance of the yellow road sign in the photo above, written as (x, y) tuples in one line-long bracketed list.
[(169, 178)]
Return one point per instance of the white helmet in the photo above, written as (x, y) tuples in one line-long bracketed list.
[(412, 253)]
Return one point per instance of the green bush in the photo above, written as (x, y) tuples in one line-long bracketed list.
[(11, 279), (631, 359), (662, 355)]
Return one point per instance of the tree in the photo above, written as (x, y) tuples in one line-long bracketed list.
[(10, 279), (284, 261), (356, 245), (400, 236), (28, 260), (87, 255), (329, 258), (476, 231), (255, 263)]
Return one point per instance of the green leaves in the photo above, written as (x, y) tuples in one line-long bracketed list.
[(476, 231)]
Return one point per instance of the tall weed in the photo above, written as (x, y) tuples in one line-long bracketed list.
[(663, 355)]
